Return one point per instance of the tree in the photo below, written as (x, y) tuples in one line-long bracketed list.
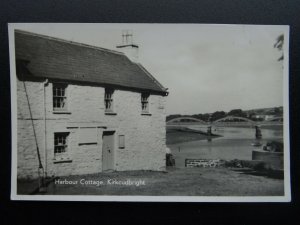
[(237, 112), (278, 111), (218, 115), (279, 45)]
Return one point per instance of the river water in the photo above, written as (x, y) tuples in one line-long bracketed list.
[(235, 143)]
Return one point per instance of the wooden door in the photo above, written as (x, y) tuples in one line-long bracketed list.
[(108, 150)]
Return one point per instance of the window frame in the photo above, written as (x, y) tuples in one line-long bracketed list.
[(121, 141), (62, 98), (64, 144), (109, 100), (145, 96)]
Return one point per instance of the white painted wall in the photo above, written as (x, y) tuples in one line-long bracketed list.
[(144, 135)]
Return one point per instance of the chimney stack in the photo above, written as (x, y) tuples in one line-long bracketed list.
[(127, 47)]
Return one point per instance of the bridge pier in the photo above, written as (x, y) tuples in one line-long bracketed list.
[(209, 130), (258, 134)]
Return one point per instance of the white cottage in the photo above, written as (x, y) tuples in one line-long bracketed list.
[(84, 109)]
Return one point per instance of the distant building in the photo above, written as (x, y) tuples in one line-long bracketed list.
[(266, 114), (264, 117), (269, 117), (84, 109)]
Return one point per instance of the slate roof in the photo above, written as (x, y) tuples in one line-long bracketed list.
[(59, 59)]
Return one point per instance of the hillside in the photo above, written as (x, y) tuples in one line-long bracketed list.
[(251, 113)]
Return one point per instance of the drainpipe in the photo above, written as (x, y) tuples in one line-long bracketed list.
[(45, 130)]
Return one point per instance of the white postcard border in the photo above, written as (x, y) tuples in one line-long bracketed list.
[(287, 186)]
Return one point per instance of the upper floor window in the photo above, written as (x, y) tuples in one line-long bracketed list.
[(145, 102), (108, 99), (59, 97)]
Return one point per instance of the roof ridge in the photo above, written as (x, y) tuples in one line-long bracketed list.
[(69, 42)]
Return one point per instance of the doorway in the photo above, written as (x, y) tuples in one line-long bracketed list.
[(108, 138)]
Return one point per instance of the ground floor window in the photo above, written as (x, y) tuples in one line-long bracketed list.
[(61, 143)]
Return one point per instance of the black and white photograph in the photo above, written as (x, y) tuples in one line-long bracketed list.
[(150, 112)]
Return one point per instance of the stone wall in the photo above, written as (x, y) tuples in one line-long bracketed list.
[(273, 160), (144, 134)]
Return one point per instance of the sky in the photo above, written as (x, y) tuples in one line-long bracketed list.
[(206, 68)]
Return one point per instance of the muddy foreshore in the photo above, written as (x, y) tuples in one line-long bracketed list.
[(182, 134)]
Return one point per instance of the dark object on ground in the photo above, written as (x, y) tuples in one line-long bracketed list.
[(170, 161), (274, 146)]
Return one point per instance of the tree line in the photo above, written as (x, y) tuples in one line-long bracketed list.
[(207, 117)]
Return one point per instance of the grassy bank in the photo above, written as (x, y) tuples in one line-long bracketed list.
[(174, 182)]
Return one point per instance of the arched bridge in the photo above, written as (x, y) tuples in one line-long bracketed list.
[(225, 121), (185, 119), (234, 120)]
